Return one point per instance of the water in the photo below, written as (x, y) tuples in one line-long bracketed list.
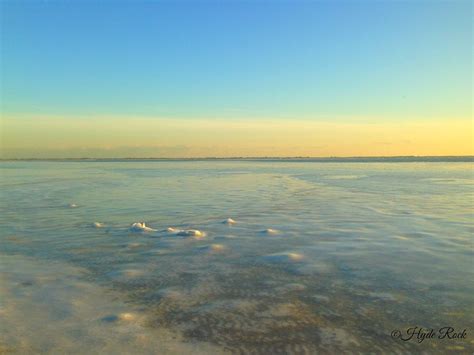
[(357, 250)]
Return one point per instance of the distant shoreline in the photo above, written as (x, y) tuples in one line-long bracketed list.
[(382, 159)]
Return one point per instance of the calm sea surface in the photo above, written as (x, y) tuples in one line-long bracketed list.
[(323, 257)]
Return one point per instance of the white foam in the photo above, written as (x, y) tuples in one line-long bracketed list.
[(141, 227), (229, 221), (97, 225), (270, 231), (191, 233), (172, 230), (72, 205)]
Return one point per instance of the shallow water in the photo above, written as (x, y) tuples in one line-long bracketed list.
[(322, 257)]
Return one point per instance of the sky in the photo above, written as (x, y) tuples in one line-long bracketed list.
[(235, 78)]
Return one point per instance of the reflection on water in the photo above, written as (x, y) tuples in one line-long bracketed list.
[(293, 257)]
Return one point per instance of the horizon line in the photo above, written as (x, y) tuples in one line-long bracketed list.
[(460, 158)]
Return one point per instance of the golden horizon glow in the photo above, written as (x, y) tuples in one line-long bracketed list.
[(44, 137)]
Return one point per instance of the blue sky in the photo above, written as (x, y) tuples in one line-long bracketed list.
[(235, 78), (391, 59)]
